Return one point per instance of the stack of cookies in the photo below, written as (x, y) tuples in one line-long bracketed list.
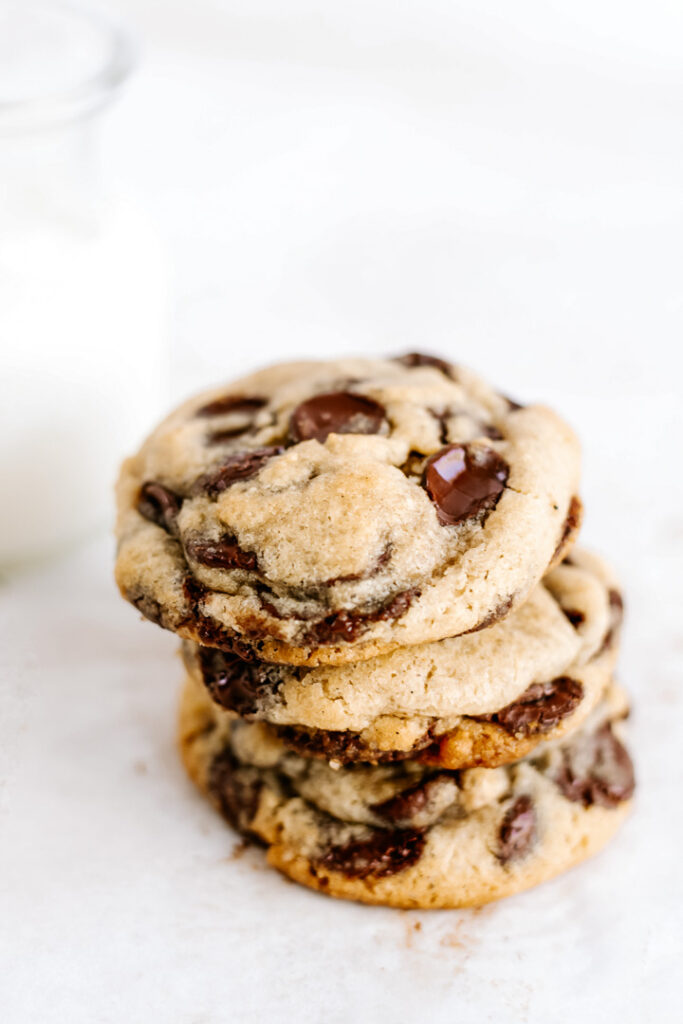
[(399, 667)]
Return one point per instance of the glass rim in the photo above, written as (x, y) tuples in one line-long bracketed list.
[(34, 113)]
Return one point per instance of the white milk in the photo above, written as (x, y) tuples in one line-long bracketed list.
[(82, 367)]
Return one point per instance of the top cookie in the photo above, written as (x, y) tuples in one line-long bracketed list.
[(324, 512)]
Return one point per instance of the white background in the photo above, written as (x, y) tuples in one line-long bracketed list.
[(497, 182)]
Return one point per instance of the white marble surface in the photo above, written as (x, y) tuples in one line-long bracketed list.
[(501, 183)]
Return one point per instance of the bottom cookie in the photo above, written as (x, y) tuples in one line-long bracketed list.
[(404, 834)]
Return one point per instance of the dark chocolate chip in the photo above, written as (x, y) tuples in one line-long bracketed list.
[(575, 617), (570, 525), (221, 436), (237, 684), (517, 830), (420, 359), (596, 770), (146, 605), (492, 432), (616, 607), (238, 466), (210, 632), (513, 406), (374, 569), (484, 429), (540, 708), (232, 403), (385, 854), (237, 791), (347, 625), (345, 747), (463, 480), (160, 506), (402, 808), (221, 554), (616, 603), (339, 412), (499, 612)]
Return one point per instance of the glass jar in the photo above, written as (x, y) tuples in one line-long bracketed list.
[(82, 284)]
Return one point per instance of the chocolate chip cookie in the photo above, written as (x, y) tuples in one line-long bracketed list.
[(324, 512), (405, 834), (486, 698)]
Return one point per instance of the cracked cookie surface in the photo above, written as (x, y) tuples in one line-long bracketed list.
[(325, 512)]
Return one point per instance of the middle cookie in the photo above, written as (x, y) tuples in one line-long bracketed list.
[(486, 698)]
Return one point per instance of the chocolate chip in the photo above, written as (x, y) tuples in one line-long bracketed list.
[(221, 436), (596, 770), (237, 790), (385, 854), (160, 506), (403, 807), (237, 684), (539, 709), (420, 359), (238, 466), (570, 525), (616, 603), (232, 403), (347, 625), (339, 412), (463, 480), (513, 406), (344, 747), (616, 607), (146, 605), (374, 569), (492, 432), (499, 612), (574, 616), (221, 554), (517, 830), (208, 631)]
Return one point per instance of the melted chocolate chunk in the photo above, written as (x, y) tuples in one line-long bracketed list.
[(420, 359), (492, 432), (237, 684), (597, 770), (379, 564), (463, 480), (574, 616), (571, 524), (499, 612), (403, 807), (221, 436), (517, 830), (210, 632), (385, 854), (484, 429), (221, 554), (513, 406), (238, 466), (146, 605), (160, 506), (339, 412), (232, 403), (345, 747), (237, 790), (540, 707), (348, 625), (616, 607)]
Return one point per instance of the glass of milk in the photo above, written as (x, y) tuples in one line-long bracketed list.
[(82, 298)]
